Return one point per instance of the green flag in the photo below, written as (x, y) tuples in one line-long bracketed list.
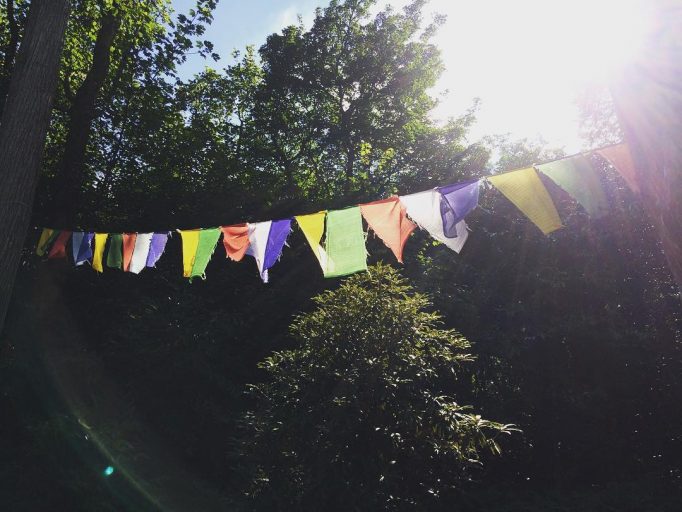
[(115, 254), (345, 243), (208, 238), (577, 177)]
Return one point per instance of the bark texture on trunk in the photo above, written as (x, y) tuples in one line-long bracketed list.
[(10, 52), (648, 99), (23, 128)]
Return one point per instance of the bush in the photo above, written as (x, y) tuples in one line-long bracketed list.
[(356, 417)]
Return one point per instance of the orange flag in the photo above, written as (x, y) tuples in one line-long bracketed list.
[(619, 156), (128, 247), (388, 220), (236, 240)]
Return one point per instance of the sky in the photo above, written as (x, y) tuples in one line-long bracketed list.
[(526, 60)]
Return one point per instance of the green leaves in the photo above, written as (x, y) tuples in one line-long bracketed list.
[(359, 406)]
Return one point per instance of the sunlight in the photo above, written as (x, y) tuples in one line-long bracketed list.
[(528, 59), (594, 39)]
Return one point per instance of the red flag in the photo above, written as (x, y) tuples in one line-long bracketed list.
[(59, 248)]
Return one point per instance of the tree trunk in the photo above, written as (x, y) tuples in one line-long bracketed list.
[(81, 116), (649, 106), (23, 128), (10, 53)]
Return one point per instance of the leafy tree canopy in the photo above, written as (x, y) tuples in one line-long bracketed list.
[(358, 416)]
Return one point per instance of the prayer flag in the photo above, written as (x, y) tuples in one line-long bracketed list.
[(81, 247), (619, 156), (259, 232), (115, 254), (577, 177), (156, 248), (425, 209), (76, 241), (527, 192), (46, 236), (140, 252), (59, 248), (312, 226), (100, 242), (345, 243), (190, 242), (389, 221), (279, 231), (197, 247), (208, 239), (128, 249), (457, 201), (236, 240)]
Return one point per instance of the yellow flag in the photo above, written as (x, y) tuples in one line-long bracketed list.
[(43, 241), (525, 189), (313, 227), (100, 242), (190, 242)]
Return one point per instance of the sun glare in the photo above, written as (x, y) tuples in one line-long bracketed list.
[(528, 59), (594, 38)]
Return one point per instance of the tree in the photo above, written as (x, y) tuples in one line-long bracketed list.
[(344, 105), (23, 126), (597, 116), (113, 48), (362, 414), (12, 22)]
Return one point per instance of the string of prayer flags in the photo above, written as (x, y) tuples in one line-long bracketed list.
[(345, 243), (620, 158), (81, 247), (388, 219), (197, 248), (100, 242), (312, 226), (115, 254), (236, 240), (59, 247), (156, 248), (425, 209), (456, 202), (140, 252), (579, 179), (47, 236), (440, 211), (128, 249), (527, 192)]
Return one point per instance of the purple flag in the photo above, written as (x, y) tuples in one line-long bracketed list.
[(81, 245), (156, 248), (279, 231), (456, 201)]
